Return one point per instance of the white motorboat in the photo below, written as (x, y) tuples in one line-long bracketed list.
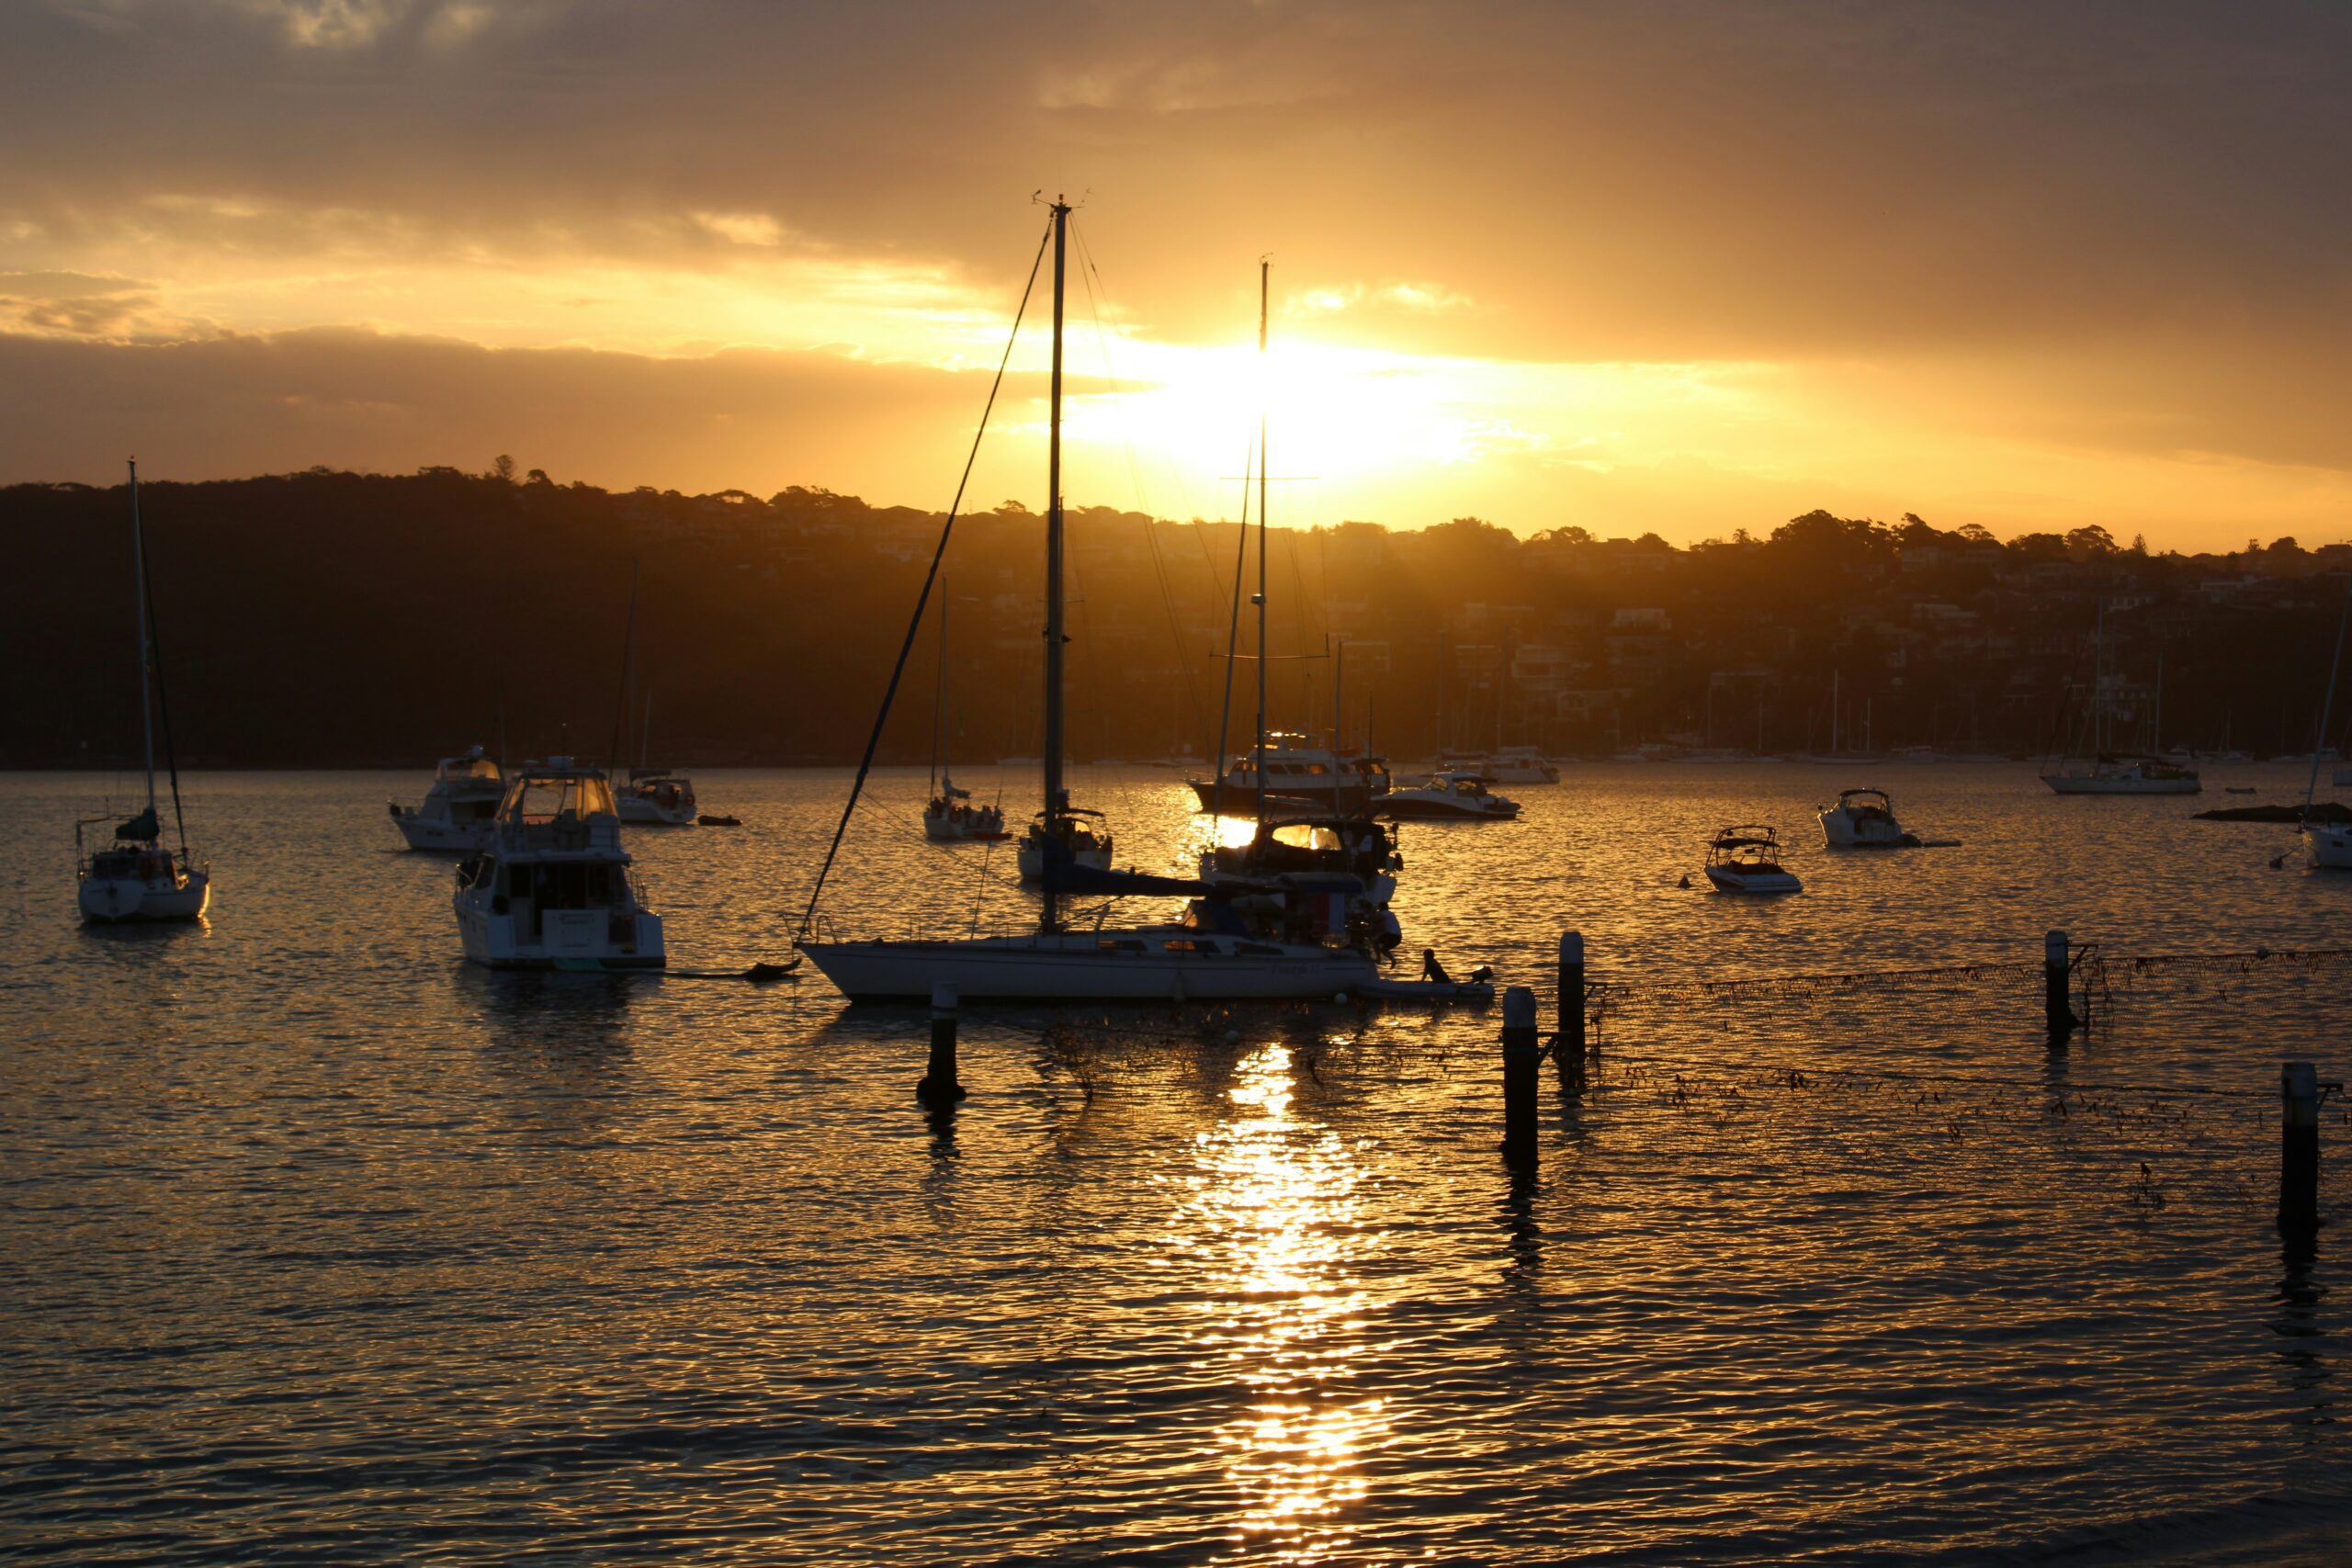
[(1298, 778), (656, 796), (1864, 819), (130, 875), (457, 811), (2126, 775), (1746, 859), (1213, 953), (1081, 835), (1448, 797), (553, 890), (1519, 765)]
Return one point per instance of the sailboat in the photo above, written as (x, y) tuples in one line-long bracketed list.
[(652, 796), (129, 875), (951, 816), (2111, 772), (1214, 953)]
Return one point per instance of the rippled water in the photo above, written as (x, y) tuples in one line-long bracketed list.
[(320, 1246)]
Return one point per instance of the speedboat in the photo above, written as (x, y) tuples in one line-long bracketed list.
[(1747, 859), (1863, 819), (457, 811), (1297, 778), (2127, 775), (951, 816), (1070, 835), (658, 797), (552, 888), (130, 875), (1448, 796)]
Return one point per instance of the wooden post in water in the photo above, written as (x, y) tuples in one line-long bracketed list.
[(2298, 1147), (2055, 1003), (939, 1087), (1521, 1053), (1567, 1045)]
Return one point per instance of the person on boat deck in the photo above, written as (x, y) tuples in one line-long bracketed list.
[(1432, 969)]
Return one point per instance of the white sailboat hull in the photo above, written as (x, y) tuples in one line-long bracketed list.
[(1031, 859), (1126, 966), (2330, 846), (125, 900)]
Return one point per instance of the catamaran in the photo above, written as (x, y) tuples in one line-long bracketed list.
[(130, 875), (1215, 952)]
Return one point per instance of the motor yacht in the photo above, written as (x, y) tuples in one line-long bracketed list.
[(656, 796), (1357, 848), (1746, 859), (456, 816), (1448, 797), (1298, 777), (1864, 819), (552, 888), (1519, 765)]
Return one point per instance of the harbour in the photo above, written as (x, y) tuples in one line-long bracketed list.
[(328, 1237)]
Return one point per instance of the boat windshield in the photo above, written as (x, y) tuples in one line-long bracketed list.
[(1307, 836), (545, 795), (458, 770)]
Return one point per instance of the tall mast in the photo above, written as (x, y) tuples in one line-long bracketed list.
[(2098, 686), (939, 712), (1057, 804), (146, 649), (1264, 267), (628, 675), (1338, 695)]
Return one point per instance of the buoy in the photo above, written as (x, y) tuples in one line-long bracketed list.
[(1685, 882)]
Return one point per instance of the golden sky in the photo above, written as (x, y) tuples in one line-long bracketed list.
[(1682, 265)]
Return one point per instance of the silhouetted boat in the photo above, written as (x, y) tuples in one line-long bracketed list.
[(130, 875)]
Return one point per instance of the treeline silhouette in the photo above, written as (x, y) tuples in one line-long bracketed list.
[(340, 619)]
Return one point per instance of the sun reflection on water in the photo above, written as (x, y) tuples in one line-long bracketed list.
[(1279, 1215)]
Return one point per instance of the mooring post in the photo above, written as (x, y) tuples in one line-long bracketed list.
[(938, 1085), (2056, 1006), (1521, 1053), (1567, 1045), (2298, 1147)]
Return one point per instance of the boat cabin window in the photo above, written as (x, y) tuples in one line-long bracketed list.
[(1307, 836), (542, 797), (1191, 944)]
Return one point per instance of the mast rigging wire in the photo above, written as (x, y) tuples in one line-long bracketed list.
[(874, 741)]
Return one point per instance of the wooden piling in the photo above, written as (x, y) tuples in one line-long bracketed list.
[(2056, 1005), (938, 1085), (1568, 1044), (2298, 1147), (1521, 1053)]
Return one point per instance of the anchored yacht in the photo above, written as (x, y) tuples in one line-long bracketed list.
[(1864, 819), (553, 890), (1746, 859), (457, 811), (1448, 797)]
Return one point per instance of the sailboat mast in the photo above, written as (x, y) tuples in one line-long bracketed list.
[(629, 673), (1055, 803), (1339, 695), (1264, 267), (2098, 686), (146, 649), (939, 712)]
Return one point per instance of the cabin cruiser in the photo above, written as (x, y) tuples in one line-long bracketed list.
[(2127, 775), (1297, 777), (1448, 796), (132, 876), (457, 811), (952, 818), (553, 890), (656, 796), (1747, 859), (1864, 819), (1519, 765), (1076, 836), (1356, 848)]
